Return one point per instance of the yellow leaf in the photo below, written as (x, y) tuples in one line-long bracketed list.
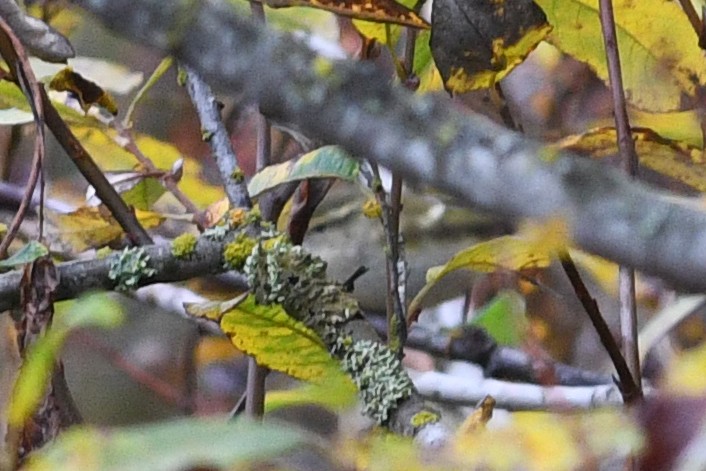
[(676, 160), (479, 418), (111, 157), (278, 341), (336, 393), (534, 246), (686, 373), (92, 227), (662, 64), (684, 126), (548, 441)]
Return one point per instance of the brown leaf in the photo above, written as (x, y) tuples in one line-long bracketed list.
[(381, 11), (88, 93)]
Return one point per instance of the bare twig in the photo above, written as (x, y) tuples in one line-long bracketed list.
[(628, 308), (473, 344), (466, 391), (131, 146), (630, 390), (255, 386), (93, 174), (690, 11), (15, 56), (217, 137)]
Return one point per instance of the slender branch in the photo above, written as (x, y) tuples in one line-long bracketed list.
[(131, 146), (217, 137), (513, 396), (630, 390), (93, 174), (255, 386), (15, 56), (628, 304), (473, 344)]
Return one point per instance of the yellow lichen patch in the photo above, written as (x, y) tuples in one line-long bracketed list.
[(237, 217), (236, 252), (372, 209), (184, 245), (423, 417)]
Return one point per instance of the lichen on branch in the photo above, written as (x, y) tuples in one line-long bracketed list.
[(286, 274)]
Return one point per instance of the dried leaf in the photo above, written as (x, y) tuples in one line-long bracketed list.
[(475, 43), (383, 11), (87, 92)]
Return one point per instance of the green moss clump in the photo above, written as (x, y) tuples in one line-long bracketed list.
[(237, 252), (183, 246), (423, 418)]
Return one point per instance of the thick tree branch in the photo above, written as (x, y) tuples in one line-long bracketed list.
[(422, 138), (81, 276)]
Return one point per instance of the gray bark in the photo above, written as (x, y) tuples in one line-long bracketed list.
[(487, 166)]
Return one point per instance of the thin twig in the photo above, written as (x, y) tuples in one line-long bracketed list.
[(255, 386), (218, 139), (159, 387), (170, 184), (93, 174), (630, 390), (628, 308), (15, 56), (690, 11)]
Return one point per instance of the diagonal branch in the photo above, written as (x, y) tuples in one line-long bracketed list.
[(421, 138)]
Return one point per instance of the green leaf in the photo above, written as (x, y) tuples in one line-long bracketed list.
[(424, 66), (27, 254), (144, 194), (504, 319), (96, 310), (180, 444), (475, 43), (678, 161), (324, 162), (662, 64)]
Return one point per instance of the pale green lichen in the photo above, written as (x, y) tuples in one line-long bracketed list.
[(183, 246), (280, 273), (423, 418), (377, 372), (236, 253), (129, 268), (217, 233)]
